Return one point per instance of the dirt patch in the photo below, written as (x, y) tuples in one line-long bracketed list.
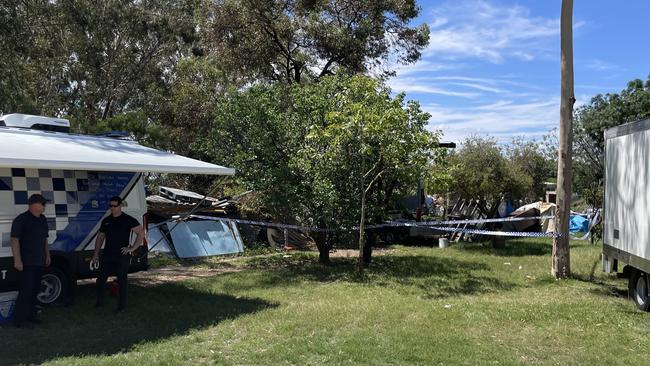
[(175, 273), (354, 253), (157, 276)]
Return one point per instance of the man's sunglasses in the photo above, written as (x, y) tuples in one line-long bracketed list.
[(113, 205)]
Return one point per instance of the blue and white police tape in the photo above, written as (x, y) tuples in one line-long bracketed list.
[(497, 233), (388, 224), (427, 224), (262, 223), (458, 222)]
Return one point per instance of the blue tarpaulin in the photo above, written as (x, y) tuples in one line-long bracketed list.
[(578, 224)]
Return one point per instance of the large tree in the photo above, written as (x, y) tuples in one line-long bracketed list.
[(481, 171), (121, 53), (90, 60), (314, 152), (33, 54), (528, 156), (293, 40)]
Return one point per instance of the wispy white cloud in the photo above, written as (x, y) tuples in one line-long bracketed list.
[(502, 119), (503, 80), (424, 67), (415, 86), (480, 29), (452, 81), (600, 65), (598, 88), (479, 87)]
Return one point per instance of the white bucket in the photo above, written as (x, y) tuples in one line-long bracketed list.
[(443, 242), (7, 305)]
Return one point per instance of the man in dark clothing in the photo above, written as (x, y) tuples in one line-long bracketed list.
[(31, 255), (116, 230)]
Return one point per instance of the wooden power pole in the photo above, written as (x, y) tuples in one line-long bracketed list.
[(561, 266)]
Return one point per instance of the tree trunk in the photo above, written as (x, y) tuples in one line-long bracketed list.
[(561, 265), (362, 236), (371, 239), (323, 245)]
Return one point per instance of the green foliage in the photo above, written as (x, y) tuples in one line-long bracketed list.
[(482, 171), (186, 107), (32, 56), (289, 40), (173, 72), (307, 148), (528, 157), (590, 121), (90, 60)]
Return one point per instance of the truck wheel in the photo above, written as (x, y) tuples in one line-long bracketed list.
[(638, 289), (54, 285)]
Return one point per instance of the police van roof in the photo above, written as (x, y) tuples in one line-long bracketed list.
[(22, 148)]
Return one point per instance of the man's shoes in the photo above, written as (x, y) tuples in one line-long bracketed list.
[(119, 309), (35, 321), (99, 305)]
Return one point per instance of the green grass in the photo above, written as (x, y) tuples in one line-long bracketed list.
[(464, 305)]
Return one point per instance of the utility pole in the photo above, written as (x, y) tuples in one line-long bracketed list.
[(561, 264)]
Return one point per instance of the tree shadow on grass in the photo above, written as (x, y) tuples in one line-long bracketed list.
[(422, 276), (513, 248), (603, 288), (153, 314)]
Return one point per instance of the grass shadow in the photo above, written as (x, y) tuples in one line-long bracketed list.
[(153, 314), (604, 288), (513, 248), (607, 290), (424, 276)]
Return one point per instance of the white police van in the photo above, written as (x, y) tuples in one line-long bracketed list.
[(78, 174)]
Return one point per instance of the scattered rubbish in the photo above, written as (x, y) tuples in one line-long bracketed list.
[(447, 306), (506, 263), (578, 224), (534, 209), (172, 201)]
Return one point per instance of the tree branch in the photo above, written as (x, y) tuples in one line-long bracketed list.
[(374, 180)]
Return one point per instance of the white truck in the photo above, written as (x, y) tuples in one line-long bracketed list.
[(78, 174), (626, 235)]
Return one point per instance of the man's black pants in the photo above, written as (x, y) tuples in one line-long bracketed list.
[(29, 284), (108, 266)]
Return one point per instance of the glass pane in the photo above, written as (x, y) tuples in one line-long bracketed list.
[(193, 239)]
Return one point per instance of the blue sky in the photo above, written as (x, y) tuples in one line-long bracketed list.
[(492, 66)]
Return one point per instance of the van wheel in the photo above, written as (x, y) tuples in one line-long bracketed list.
[(638, 289), (54, 285)]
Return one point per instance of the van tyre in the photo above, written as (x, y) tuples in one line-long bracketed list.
[(638, 290), (54, 286)]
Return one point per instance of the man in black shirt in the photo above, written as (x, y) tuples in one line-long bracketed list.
[(116, 229), (31, 254)]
